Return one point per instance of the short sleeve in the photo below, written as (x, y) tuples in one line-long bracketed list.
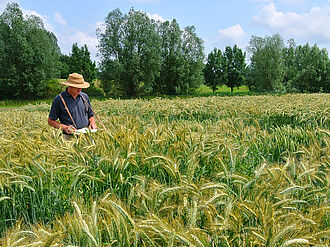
[(55, 109)]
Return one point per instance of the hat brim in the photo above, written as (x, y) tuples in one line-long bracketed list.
[(76, 85)]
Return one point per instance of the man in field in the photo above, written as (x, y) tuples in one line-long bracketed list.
[(72, 107)]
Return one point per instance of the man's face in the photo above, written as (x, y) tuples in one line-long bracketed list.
[(77, 90), (74, 91)]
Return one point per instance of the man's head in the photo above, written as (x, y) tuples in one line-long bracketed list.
[(76, 80)]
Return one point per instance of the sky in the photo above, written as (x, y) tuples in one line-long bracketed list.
[(218, 22)]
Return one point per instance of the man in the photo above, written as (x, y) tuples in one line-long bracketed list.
[(72, 107)]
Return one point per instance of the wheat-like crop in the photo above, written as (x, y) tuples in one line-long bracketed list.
[(212, 171)]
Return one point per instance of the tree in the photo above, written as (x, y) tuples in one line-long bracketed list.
[(142, 45), (287, 69), (64, 66), (80, 62), (289, 64), (129, 50), (171, 71), (234, 62), (29, 55), (266, 70), (111, 49), (312, 70), (214, 69), (193, 56)]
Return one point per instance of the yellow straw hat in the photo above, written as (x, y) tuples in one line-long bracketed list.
[(76, 80)]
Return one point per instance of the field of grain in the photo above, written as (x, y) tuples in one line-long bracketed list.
[(204, 171)]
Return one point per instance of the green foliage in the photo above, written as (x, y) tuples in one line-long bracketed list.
[(275, 68), (309, 69), (225, 68), (140, 57), (80, 62), (29, 55), (204, 90), (172, 69), (95, 91), (53, 88), (266, 69), (64, 66), (214, 70), (193, 56), (129, 49), (234, 67)]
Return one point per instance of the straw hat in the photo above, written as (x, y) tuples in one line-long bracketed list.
[(76, 80)]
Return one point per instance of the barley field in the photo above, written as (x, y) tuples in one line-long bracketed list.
[(204, 171)]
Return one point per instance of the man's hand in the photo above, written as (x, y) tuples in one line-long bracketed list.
[(68, 129), (92, 124)]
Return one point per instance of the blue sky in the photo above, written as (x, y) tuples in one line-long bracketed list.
[(218, 22)]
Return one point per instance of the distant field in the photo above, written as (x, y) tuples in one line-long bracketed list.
[(203, 171), (18, 103), (203, 89)]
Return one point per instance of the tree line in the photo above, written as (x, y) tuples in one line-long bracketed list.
[(293, 68), (140, 56)]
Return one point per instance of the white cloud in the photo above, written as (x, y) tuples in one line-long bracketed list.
[(68, 37), (232, 35), (3, 4), (28, 12), (44, 19), (82, 38), (307, 27), (58, 18), (100, 25), (156, 17)]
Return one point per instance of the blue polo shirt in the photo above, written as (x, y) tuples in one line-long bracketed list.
[(80, 111)]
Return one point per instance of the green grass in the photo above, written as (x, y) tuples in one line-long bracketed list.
[(223, 89), (204, 90), (18, 103)]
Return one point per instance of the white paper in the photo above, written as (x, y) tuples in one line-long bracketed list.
[(85, 130)]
